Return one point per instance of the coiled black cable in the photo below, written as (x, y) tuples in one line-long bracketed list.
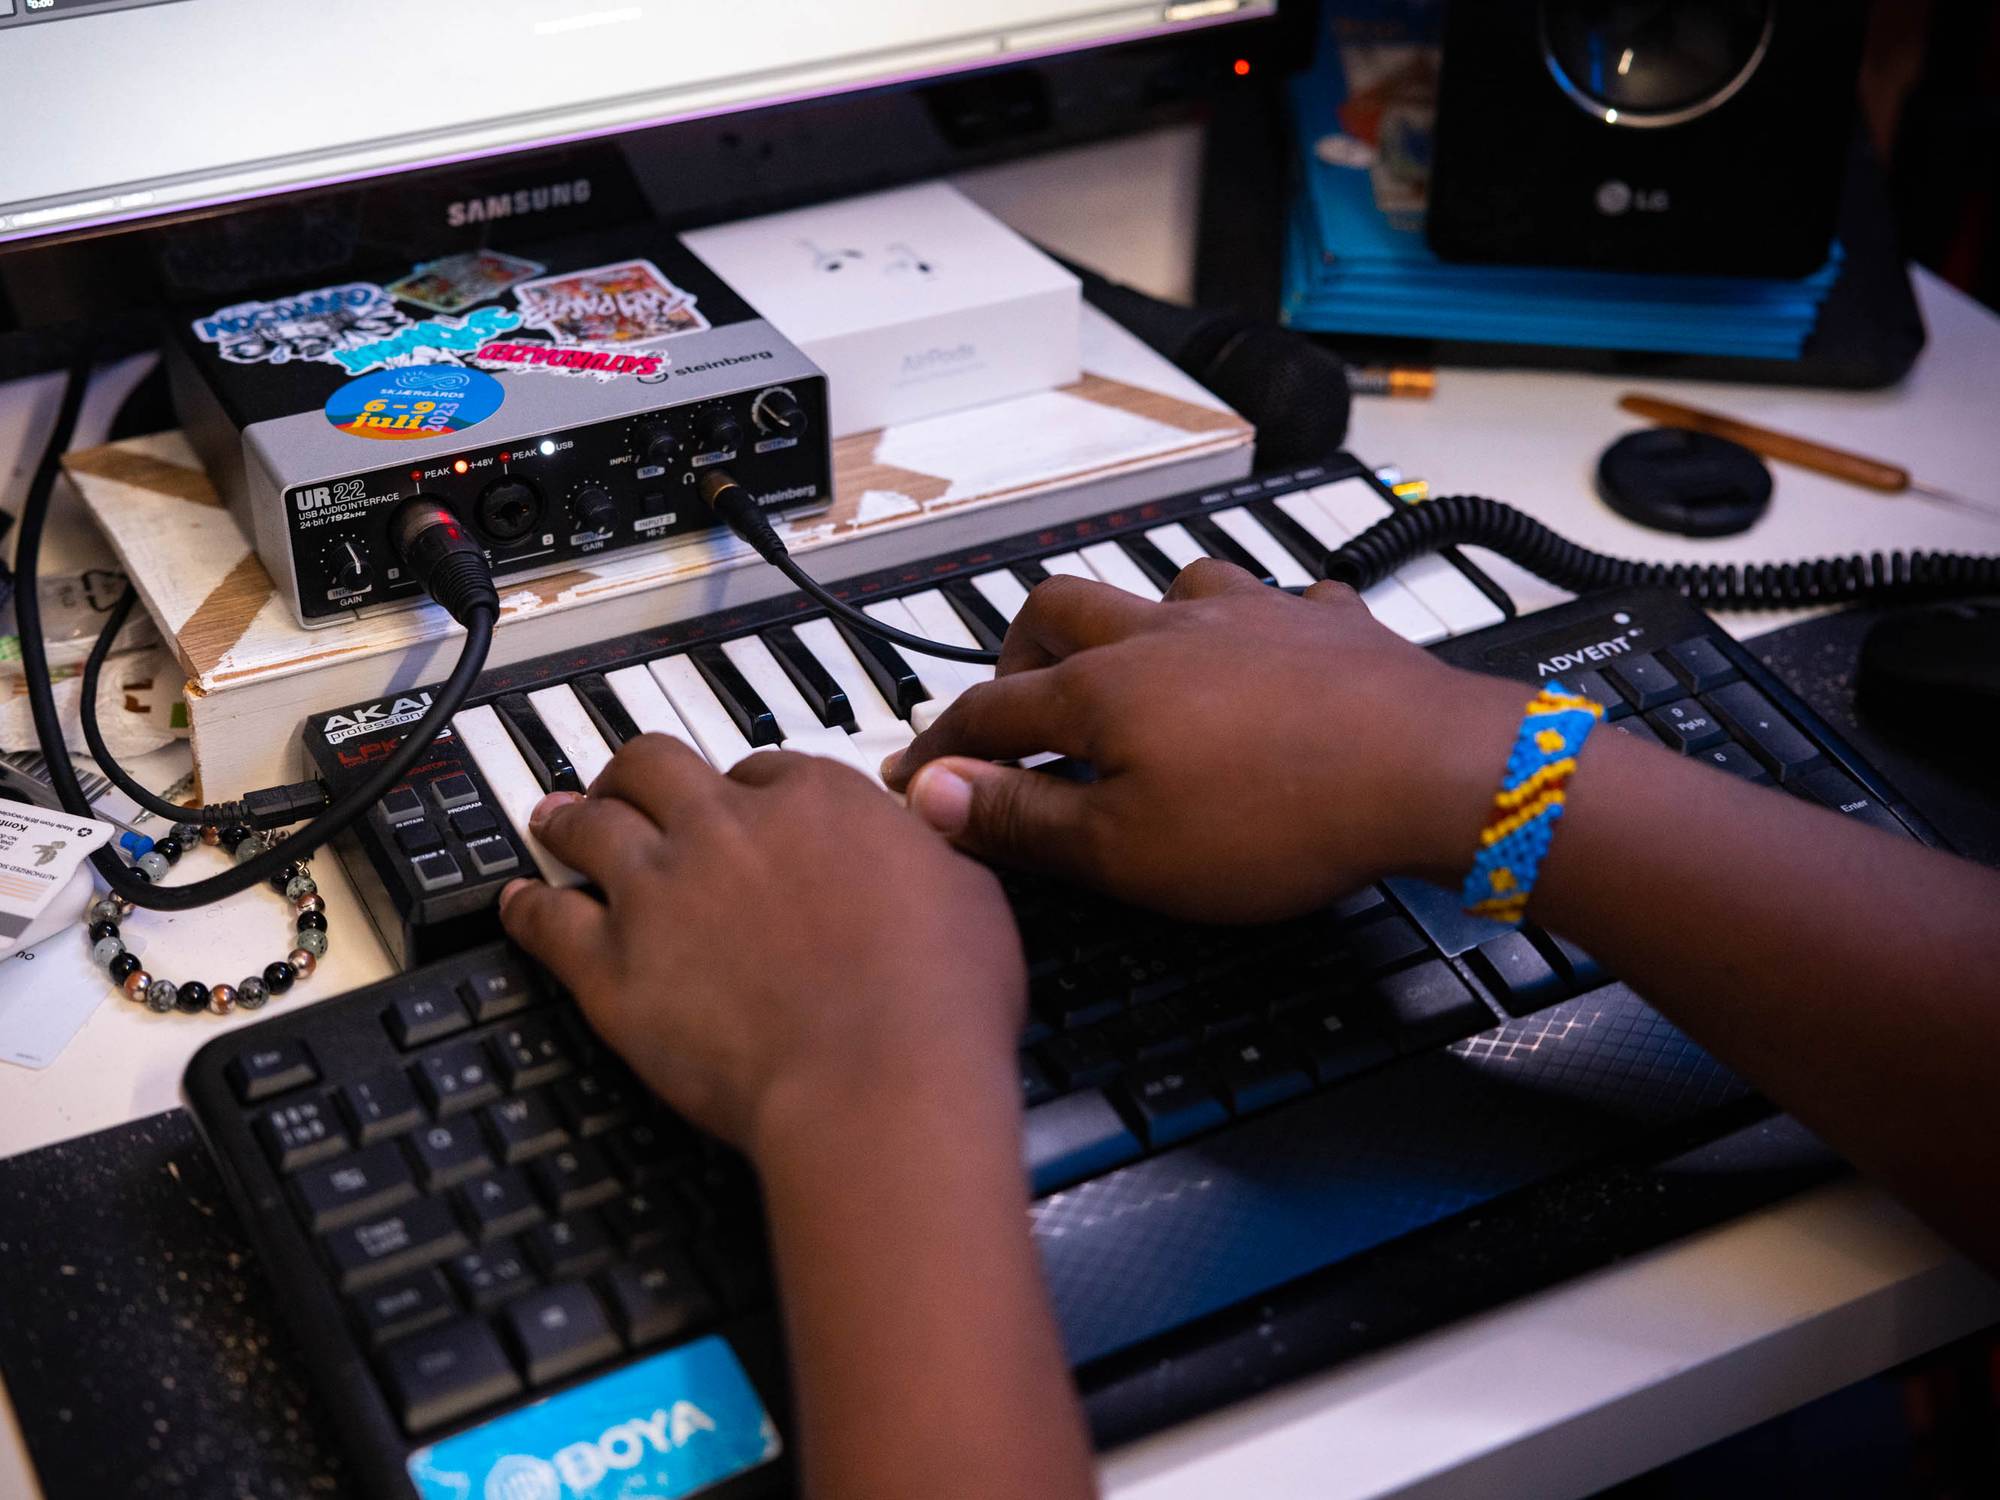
[(1474, 520)]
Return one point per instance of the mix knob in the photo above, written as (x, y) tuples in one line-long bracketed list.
[(658, 445)]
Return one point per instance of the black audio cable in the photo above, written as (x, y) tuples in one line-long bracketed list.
[(1474, 520), (740, 513), (426, 535)]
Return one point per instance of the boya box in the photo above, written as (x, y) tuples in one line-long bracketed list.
[(913, 302)]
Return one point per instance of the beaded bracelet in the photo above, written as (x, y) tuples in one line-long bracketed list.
[(1531, 797), (293, 881)]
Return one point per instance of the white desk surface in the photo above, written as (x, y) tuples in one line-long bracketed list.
[(1557, 1394)]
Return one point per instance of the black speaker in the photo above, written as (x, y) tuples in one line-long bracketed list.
[(1701, 136)]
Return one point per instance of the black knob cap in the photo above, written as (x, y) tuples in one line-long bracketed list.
[(594, 508), (658, 444), (717, 431), (777, 413), (352, 570)]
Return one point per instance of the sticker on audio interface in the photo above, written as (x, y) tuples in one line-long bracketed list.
[(630, 302), (459, 281), (433, 341), (310, 325), (425, 402), (668, 1426), (567, 359)]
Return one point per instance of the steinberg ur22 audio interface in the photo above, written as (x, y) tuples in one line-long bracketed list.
[(562, 406)]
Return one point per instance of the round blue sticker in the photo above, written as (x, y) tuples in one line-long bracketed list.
[(420, 402)]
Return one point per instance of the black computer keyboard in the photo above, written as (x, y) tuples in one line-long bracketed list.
[(469, 1204)]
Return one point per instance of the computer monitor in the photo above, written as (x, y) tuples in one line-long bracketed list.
[(164, 150), (133, 109)]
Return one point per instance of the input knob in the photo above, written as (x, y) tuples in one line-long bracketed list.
[(593, 508), (717, 431), (777, 413), (658, 446), (351, 568)]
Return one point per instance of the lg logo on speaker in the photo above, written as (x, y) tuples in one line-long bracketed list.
[(1615, 198)]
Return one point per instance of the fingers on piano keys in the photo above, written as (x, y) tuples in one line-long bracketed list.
[(823, 688)]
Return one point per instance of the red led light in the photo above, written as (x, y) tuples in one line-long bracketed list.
[(1241, 67), (416, 474), (460, 467)]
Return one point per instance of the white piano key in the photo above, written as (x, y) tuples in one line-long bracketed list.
[(872, 714), (648, 706), (1177, 542), (1109, 562), (768, 678), (1249, 533), (1316, 519), (1390, 601), (941, 679), (1449, 594), (714, 731), (878, 733), (799, 727), (1353, 502), (513, 785), (566, 718), (1395, 606), (1003, 591), (1071, 563), (938, 621)]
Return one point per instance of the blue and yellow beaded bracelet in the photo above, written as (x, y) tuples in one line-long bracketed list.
[(1531, 797)]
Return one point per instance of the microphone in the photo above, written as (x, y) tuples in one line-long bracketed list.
[(1293, 390)]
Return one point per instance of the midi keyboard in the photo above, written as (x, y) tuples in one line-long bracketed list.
[(431, 859)]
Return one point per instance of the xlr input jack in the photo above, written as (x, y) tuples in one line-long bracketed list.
[(508, 509)]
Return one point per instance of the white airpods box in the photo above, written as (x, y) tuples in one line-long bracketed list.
[(914, 302)]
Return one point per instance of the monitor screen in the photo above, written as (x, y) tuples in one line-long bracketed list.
[(136, 109)]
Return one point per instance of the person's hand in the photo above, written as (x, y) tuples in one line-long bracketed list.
[(775, 942), (1257, 754)]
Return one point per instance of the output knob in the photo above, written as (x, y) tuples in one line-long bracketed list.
[(593, 508), (777, 413)]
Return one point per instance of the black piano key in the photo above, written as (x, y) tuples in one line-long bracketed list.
[(1159, 568), (753, 717), (600, 701), (1030, 573), (894, 678), (538, 747), (1218, 543), (810, 676), (1293, 537), (987, 624)]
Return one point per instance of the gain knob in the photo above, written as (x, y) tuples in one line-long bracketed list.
[(717, 431), (777, 413), (352, 569), (593, 508)]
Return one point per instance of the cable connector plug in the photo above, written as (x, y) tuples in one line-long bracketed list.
[(737, 509), (281, 806), (443, 556)]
